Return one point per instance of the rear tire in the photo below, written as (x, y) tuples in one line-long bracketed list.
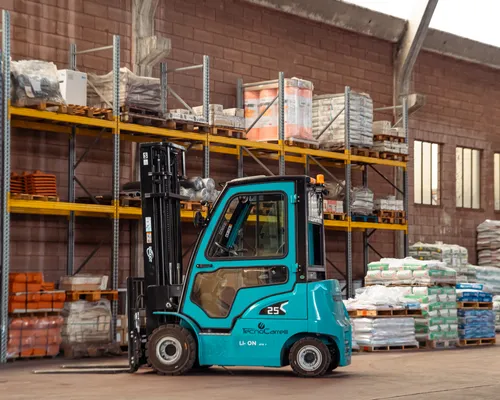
[(310, 357), (335, 359), (171, 350)]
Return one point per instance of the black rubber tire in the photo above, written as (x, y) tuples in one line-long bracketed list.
[(326, 357), (188, 344), (335, 358)]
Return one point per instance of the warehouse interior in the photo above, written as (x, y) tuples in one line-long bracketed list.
[(398, 118)]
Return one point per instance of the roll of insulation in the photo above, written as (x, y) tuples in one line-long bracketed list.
[(202, 195), (195, 183), (188, 193)]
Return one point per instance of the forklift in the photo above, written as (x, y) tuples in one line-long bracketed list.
[(254, 292)]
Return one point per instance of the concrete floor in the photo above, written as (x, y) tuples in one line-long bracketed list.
[(438, 375)]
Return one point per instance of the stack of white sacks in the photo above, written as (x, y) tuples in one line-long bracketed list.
[(436, 296), (326, 107), (496, 308), (397, 331), (488, 243), (390, 203), (390, 146), (362, 201)]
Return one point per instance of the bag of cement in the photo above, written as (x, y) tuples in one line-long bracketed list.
[(34, 82)]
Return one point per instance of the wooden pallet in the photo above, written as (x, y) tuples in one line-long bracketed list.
[(37, 314), (91, 350), (334, 216), (388, 348), (102, 200), (41, 105), (228, 132), (385, 313), (477, 342), (391, 213), (19, 357), (475, 305), (130, 202), (390, 138), (38, 197), (91, 295), (438, 344), (298, 142), (90, 112), (391, 220), (191, 206), (187, 126), (393, 156)]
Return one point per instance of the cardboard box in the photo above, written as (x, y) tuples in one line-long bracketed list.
[(73, 86)]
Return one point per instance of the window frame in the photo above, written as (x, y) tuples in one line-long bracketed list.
[(462, 206), (231, 268), (439, 161), (495, 172), (244, 257)]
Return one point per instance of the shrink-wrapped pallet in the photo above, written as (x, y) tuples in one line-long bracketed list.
[(86, 322), (35, 82), (34, 336), (453, 255), (326, 107), (488, 243), (496, 308), (362, 201), (136, 91), (384, 331), (298, 110)]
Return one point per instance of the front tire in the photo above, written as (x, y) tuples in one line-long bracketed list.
[(310, 357), (171, 350)]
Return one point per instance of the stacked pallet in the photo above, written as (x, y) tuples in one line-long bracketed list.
[(34, 316), (476, 317), (326, 107), (17, 183), (35, 185), (86, 330), (390, 210), (387, 139), (382, 320)]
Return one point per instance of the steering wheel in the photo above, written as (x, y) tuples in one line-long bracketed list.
[(227, 250)]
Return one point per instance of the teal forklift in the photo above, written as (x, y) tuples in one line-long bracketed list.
[(254, 292)]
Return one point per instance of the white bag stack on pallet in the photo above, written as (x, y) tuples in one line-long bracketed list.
[(135, 91), (408, 271), (218, 116), (326, 107), (496, 308), (362, 201), (489, 277), (375, 332), (488, 243), (389, 203)]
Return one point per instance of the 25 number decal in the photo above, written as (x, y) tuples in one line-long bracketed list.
[(275, 309)]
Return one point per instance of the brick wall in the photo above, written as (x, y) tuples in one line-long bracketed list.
[(255, 44)]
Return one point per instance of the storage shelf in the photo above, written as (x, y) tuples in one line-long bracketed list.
[(59, 208)]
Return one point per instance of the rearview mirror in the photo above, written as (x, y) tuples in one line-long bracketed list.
[(199, 220)]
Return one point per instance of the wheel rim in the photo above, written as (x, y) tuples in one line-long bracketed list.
[(168, 350), (309, 358)]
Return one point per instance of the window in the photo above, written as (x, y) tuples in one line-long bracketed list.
[(468, 177), (253, 226), (215, 291), (496, 180), (426, 176)]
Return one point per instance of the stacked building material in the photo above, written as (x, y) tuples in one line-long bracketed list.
[(35, 83), (390, 203), (380, 320), (199, 189), (439, 314), (41, 184), (488, 243), (220, 117), (476, 317), (326, 107), (34, 336), (17, 183), (298, 110), (389, 139), (34, 321), (496, 308), (489, 279), (362, 201), (136, 92), (408, 271), (333, 206)]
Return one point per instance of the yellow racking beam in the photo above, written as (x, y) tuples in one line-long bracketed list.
[(59, 208)]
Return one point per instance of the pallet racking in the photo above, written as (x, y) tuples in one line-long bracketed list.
[(260, 152)]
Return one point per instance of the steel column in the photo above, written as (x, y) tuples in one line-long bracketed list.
[(164, 90), (4, 293), (405, 176), (347, 138), (116, 177), (206, 114), (365, 232), (281, 122)]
